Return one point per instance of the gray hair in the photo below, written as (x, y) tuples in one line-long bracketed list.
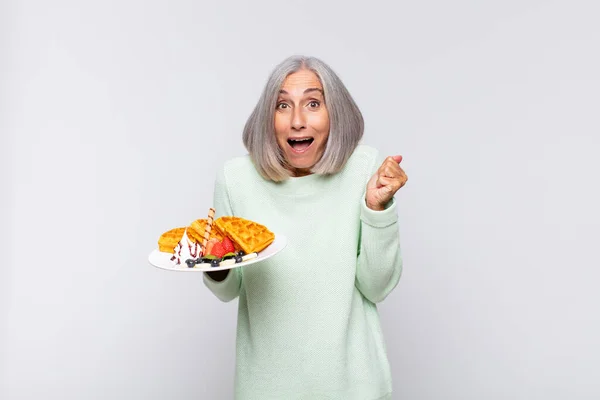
[(345, 121)]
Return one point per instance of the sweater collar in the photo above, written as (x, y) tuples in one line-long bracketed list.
[(302, 185)]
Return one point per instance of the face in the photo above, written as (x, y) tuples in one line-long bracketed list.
[(302, 121)]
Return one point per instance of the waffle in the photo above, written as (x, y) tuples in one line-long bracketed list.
[(196, 231), (169, 240), (249, 235)]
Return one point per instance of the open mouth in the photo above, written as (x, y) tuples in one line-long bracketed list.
[(300, 144)]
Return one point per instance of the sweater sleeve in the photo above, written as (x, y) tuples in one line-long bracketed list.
[(379, 264), (229, 288)]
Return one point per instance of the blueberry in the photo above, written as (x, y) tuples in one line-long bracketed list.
[(241, 253), (214, 263), (190, 263), (238, 259)]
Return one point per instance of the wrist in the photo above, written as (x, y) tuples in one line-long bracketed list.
[(379, 219), (375, 207)]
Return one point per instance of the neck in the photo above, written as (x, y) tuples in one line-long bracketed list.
[(298, 172)]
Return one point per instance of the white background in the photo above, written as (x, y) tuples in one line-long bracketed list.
[(117, 114)]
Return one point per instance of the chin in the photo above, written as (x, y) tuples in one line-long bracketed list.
[(303, 167), (300, 166)]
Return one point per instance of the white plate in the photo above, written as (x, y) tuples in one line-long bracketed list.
[(162, 260)]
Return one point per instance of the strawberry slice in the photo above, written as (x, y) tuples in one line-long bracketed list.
[(228, 245), (218, 250)]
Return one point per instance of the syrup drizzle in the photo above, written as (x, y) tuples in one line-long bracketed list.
[(195, 252)]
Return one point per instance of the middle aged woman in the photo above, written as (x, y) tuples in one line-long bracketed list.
[(308, 326)]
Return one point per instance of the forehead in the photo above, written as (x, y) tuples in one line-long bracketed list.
[(300, 80)]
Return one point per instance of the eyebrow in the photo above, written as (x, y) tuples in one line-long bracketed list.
[(306, 91)]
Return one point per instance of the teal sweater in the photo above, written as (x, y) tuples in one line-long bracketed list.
[(308, 327)]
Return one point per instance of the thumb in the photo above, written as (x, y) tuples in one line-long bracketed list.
[(397, 158)]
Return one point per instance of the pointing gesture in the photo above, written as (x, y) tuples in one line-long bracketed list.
[(385, 183)]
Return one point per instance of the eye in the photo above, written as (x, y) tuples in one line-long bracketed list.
[(314, 104), (282, 106)]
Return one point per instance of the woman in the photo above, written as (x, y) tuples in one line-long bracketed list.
[(308, 327)]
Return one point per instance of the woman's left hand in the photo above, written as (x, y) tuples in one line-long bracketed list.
[(385, 183)]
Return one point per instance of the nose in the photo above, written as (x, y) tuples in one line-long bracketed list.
[(298, 121)]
